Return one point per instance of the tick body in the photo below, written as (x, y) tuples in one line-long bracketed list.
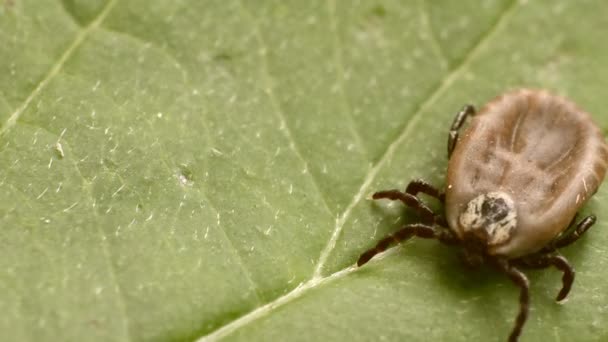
[(517, 176)]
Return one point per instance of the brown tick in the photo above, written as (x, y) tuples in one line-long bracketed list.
[(517, 175)]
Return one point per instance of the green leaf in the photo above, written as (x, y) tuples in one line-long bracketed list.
[(189, 170)]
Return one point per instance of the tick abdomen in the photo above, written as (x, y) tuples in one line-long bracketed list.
[(539, 148)]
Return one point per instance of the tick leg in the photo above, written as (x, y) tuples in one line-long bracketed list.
[(441, 221), (544, 261), (419, 185), (409, 200), (459, 120), (406, 233), (416, 186), (520, 279), (581, 228)]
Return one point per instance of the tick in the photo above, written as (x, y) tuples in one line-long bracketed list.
[(517, 175)]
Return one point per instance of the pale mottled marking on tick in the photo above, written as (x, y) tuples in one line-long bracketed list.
[(494, 213)]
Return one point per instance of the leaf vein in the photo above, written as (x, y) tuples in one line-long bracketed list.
[(284, 127), (164, 160), (107, 253), (339, 62), (432, 36), (87, 186), (56, 68), (247, 273), (149, 44)]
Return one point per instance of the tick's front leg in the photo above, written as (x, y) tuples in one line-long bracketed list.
[(407, 232), (427, 215)]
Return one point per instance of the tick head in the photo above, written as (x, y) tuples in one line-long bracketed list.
[(487, 221)]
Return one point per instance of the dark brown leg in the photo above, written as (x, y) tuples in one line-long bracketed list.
[(405, 233), (409, 200), (419, 185), (544, 261), (441, 221), (581, 228), (520, 280), (459, 120)]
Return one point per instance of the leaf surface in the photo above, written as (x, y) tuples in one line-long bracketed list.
[(192, 170)]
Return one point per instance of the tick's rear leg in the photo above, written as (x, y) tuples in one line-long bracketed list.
[(405, 233), (459, 120), (574, 235), (546, 260), (520, 279)]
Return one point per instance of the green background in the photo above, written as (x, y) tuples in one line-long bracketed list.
[(201, 170)]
